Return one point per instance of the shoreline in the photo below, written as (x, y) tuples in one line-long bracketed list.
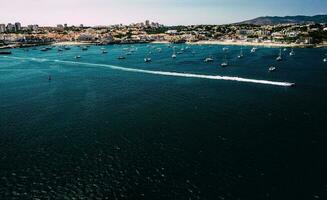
[(70, 43), (243, 43)]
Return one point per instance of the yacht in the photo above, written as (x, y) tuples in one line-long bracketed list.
[(279, 58), (292, 53), (209, 59), (253, 50), (271, 69)]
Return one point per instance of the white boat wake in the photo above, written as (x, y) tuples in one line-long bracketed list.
[(164, 73)]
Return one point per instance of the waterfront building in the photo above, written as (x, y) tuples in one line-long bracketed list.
[(11, 27), (147, 23), (18, 26), (2, 28)]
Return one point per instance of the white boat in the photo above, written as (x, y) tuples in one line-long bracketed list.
[(279, 58), (271, 69), (77, 57), (253, 50), (292, 53), (324, 60), (284, 49), (147, 59), (209, 59), (121, 58), (225, 49), (104, 51)]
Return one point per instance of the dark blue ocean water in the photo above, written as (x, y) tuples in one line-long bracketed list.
[(98, 133)]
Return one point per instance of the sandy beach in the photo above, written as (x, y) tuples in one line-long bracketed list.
[(70, 43)]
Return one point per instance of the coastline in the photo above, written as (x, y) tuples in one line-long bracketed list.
[(243, 43), (70, 43)]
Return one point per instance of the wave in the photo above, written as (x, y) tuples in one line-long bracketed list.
[(165, 73)]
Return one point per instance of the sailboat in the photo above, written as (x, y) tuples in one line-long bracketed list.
[(241, 54), (253, 50), (292, 53), (174, 54), (225, 63), (148, 58), (271, 69), (279, 58)]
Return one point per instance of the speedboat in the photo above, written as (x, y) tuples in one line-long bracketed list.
[(271, 69), (44, 49), (208, 59)]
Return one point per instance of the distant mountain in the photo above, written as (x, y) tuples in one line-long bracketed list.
[(300, 19)]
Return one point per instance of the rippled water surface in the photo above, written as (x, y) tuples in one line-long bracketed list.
[(95, 132)]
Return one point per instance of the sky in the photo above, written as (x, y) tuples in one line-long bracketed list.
[(168, 12)]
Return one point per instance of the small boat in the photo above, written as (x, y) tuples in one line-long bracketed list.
[(173, 56), (279, 58), (271, 69), (77, 57), (121, 58), (209, 59), (225, 49), (148, 59), (284, 49), (292, 53), (67, 48), (253, 50), (324, 60), (104, 51), (59, 50), (84, 48), (225, 63), (49, 78), (179, 52), (5, 52), (44, 49)]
